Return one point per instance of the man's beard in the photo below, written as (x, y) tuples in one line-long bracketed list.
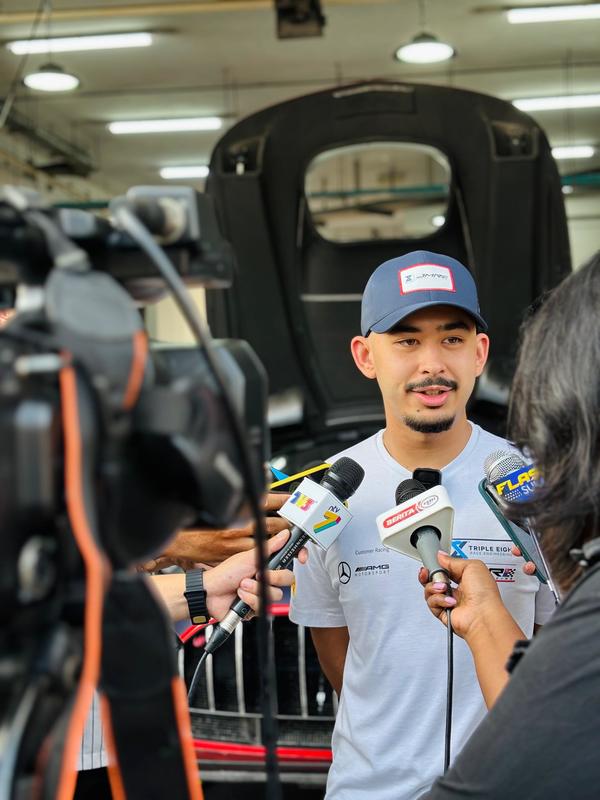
[(435, 426), (426, 426)]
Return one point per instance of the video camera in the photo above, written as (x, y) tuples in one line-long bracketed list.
[(110, 444)]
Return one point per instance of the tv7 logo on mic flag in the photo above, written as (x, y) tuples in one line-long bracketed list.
[(330, 519), (317, 511)]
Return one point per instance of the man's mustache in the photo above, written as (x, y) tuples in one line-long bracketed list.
[(411, 387)]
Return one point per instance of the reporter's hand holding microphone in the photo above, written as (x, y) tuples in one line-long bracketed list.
[(473, 602), (478, 616), (418, 526), (318, 513), (236, 578)]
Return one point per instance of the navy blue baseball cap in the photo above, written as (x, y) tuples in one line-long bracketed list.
[(406, 284)]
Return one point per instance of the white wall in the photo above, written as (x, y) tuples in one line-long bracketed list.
[(583, 217), (165, 323)]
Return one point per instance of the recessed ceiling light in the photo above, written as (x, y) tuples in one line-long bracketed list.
[(192, 171), (438, 220), (424, 49), (66, 44), (51, 78), (567, 189), (573, 151), (553, 13), (166, 125), (557, 103)]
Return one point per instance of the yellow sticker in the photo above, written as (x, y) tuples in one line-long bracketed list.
[(299, 475)]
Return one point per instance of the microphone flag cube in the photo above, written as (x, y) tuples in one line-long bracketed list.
[(430, 508), (317, 512)]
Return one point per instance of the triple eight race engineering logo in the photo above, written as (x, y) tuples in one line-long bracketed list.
[(410, 511)]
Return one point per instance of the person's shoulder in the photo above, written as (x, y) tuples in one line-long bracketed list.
[(360, 451), (488, 441)]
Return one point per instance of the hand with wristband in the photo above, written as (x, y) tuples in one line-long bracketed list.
[(221, 585)]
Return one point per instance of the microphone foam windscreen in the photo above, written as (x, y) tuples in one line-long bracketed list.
[(408, 489), (346, 474)]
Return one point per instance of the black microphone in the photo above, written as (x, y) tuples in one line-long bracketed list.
[(427, 537), (341, 480)]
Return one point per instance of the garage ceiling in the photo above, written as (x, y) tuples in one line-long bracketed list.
[(222, 58)]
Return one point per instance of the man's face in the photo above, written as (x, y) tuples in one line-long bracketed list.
[(425, 367)]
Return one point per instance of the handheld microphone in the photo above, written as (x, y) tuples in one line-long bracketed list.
[(510, 480), (419, 525), (318, 513)]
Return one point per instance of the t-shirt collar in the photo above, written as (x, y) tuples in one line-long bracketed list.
[(455, 464)]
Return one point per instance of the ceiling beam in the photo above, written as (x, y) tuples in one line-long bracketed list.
[(161, 9), (326, 80)]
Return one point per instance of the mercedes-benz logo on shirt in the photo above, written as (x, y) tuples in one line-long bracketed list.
[(344, 571)]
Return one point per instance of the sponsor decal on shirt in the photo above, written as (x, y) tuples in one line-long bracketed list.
[(487, 550), (503, 574), (426, 278), (490, 551), (372, 569), (344, 572)]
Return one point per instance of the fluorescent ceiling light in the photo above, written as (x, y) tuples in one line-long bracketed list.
[(553, 13), (573, 151), (166, 125), (192, 171), (67, 44), (51, 78), (424, 49), (557, 103)]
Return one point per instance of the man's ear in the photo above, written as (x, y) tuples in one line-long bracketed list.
[(360, 348), (482, 352)]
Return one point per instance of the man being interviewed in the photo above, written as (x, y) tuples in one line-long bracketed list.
[(424, 341)]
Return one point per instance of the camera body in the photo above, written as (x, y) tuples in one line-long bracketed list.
[(165, 436)]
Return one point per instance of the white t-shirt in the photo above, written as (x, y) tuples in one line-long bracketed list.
[(92, 754), (388, 740)]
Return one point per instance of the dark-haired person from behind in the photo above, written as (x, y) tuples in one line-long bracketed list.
[(541, 737)]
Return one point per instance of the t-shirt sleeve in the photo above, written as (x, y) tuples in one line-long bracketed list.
[(545, 605), (315, 601)]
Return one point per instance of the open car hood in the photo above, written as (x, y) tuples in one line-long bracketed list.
[(296, 296)]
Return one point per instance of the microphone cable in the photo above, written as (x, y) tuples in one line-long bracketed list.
[(407, 490), (196, 676), (449, 690)]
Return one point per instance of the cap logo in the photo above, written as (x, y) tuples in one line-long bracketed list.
[(426, 278)]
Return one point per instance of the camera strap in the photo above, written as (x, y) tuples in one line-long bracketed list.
[(144, 701)]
